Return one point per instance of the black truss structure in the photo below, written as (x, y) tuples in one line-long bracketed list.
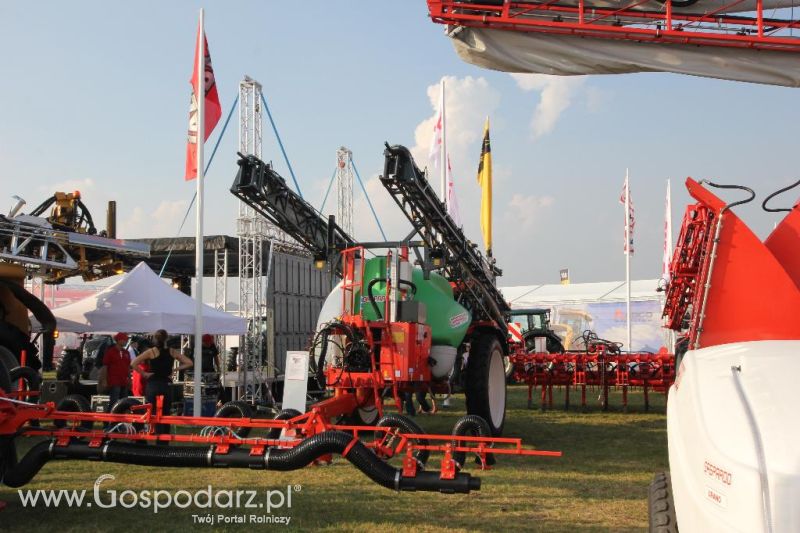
[(263, 189), (446, 245)]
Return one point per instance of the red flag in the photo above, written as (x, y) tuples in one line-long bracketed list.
[(213, 109)]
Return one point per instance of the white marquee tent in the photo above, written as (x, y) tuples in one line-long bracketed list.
[(143, 302)]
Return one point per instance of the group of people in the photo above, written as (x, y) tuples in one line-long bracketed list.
[(148, 373)]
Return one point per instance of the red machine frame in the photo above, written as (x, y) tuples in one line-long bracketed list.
[(626, 23)]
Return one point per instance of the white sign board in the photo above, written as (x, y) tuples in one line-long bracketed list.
[(295, 387)]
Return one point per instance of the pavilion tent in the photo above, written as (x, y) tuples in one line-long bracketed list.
[(143, 302)]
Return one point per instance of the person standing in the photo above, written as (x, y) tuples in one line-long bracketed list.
[(160, 358), (138, 381), (116, 361)]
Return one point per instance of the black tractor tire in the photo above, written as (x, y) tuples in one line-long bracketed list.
[(8, 454), (236, 409), (486, 382), (406, 425), (283, 414), (125, 406), (661, 507), (73, 403), (69, 367), (8, 359), (5, 380), (32, 379)]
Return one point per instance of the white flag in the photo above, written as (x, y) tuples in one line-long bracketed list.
[(452, 201), (665, 275), (628, 242), (435, 152)]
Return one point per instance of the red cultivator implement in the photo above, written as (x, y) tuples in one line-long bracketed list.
[(600, 367), (289, 442)]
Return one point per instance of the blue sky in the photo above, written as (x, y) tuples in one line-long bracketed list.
[(95, 96)]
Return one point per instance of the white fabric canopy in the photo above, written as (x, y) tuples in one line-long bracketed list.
[(513, 51), (143, 302), (523, 296)]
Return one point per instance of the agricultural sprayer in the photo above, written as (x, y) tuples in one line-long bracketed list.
[(731, 421), (399, 322)]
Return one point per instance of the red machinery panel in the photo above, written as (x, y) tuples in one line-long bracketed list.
[(404, 356)]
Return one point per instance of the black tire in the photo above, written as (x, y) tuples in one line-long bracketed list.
[(69, 367), (32, 379), (406, 425), (236, 409), (283, 414), (73, 403), (486, 382), (5, 380), (125, 406), (8, 454), (8, 359), (661, 507)]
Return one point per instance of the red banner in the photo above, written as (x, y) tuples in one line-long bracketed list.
[(213, 109)]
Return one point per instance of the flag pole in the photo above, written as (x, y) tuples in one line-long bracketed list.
[(668, 250), (443, 155), (201, 131), (628, 257)]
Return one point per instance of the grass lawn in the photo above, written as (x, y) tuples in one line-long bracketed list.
[(599, 484)]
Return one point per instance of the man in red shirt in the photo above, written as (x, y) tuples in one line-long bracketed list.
[(117, 361)]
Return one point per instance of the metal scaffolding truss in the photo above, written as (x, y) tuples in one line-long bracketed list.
[(344, 189), (252, 230)]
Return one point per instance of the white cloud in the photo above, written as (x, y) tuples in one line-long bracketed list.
[(556, 96), (525, 211), (84, 186), (163, 221), (468, 102)]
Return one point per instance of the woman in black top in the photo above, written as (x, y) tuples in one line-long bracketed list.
[(161, 359)]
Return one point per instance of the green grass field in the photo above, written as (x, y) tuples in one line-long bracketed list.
[(599, 484)]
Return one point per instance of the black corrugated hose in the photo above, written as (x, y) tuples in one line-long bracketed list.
[(282, 459)]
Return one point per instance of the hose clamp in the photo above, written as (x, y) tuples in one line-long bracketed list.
[(266, 458), (210, 455), (104, 450), (50, 448), (397, 480)]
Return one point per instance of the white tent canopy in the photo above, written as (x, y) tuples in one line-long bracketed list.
[(143, 302), (523, 296)]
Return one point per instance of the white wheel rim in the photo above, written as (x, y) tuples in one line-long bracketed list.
[(497, 388), (368, 416)]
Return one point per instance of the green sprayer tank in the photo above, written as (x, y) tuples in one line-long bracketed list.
[(447, 319)]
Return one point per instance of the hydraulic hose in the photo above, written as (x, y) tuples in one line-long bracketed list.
[(281, 459), (21, 473)]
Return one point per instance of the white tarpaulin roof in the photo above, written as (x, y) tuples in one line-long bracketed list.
[(523, 296), (143, 302), (513, 51)]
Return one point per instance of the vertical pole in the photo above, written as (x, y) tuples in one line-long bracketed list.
[(443, 154), (628, 257), (669, 15), (200, 94), (668, 244), (760, 17)]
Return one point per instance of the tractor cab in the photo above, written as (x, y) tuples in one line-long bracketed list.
[(534, 323)]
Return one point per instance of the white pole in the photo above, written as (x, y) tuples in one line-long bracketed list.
[(198, 243), (628, 256), (668, 245), (443, 155)]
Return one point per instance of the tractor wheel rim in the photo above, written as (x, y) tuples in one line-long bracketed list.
[(497, 388)]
